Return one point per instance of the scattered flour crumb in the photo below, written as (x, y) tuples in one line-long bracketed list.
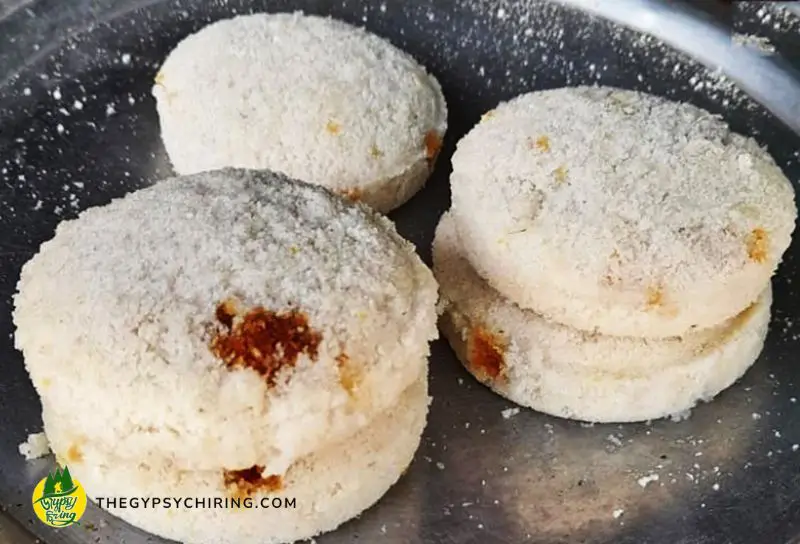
[(614, 440), (126, 58), (715, 487), (35, 446), (57, 94), (509, 412), (644, 481), (617, 513), (439, 465), (795, 447), (60, 128), (756, 416)]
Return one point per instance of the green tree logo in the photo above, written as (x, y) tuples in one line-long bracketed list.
[(58, 500), (58, 484)]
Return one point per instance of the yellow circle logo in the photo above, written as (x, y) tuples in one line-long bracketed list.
[(58, 500)]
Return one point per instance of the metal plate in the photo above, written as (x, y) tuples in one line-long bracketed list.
[(78, 128)]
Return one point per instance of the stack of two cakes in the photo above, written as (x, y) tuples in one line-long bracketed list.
[(230, 335), (608, 254), (236, 334)]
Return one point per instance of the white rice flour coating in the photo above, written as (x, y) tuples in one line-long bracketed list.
[(328, 487), (312, 97), (231, 318), (572, 374), (620, 212)]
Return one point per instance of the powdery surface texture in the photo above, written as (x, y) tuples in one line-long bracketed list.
[(312, 97), (620, 212), (329, 486), (121, 309), (567, 373)]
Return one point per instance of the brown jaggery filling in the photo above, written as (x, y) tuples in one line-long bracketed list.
[(433, 143), (225, 313), (758, 245), (263, 340), (485, 354), (249, 481)]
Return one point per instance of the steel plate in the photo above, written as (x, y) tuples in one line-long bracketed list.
[(78, 128)]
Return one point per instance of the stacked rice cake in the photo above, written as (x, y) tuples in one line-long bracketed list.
[(608, 254), (231, 334)]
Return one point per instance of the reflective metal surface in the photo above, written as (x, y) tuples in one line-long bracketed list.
[(728, 474), (772, 82)]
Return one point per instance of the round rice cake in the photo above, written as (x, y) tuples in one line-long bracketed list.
[(619, 212), (312, 97), (578, 375), (327, 487), (229, 318)]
